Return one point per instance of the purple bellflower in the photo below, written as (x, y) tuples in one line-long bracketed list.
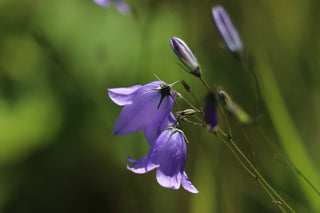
[(121, 5), (168, 155), (227, 31), (146, 107), (185, 55), (210, 111)]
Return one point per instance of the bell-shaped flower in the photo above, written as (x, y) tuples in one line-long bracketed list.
[(121, 5), (227, 31), (168, 155), (144, 107)]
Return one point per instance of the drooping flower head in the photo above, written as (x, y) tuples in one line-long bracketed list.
[(185, 55), (210, 111), (227, 31), (146, 107), (121, 5), (168, 155)]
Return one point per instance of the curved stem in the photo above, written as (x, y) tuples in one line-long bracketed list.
[(259, 175), (248, 170), (186, 101)]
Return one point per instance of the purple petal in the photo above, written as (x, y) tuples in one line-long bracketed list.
[(187, 185), (166, 181), (144, 110), (170, 153), (102, 3), (151, 132), (133, 117), (123, 7), (123, 96), (143, 165)]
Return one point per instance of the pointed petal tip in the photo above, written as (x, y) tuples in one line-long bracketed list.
[(187, 185), (131, 160)]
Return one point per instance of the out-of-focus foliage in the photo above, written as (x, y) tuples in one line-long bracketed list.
[(57, 59)]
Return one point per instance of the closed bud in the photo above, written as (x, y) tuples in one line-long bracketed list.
[(234, 109), (227, 31), (185, 55), (210, 111), (224, 98), (185, 113)]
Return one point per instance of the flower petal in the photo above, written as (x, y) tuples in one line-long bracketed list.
[(143, 165), (152, 132), (166, 181), (102, 3), (133, 117), (187, 185), (123, 96), (144, 110), (170, 153), (122, 7)]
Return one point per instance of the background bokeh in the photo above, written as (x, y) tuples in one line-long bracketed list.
[(57, 148)]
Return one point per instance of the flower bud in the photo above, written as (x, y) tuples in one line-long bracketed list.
[(185, 55), (185, 113), (235, 110), (227, 31), (224, 98), (210, 111)]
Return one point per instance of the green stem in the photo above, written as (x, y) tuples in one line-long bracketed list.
[(247, 169), (254, 79), (260, 176), (186, 101)]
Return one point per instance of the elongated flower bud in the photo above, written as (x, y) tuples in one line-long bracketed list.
[(210, 111), (234, 109), (185, 55), (227, 31)]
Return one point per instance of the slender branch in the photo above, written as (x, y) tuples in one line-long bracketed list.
[(286, 161), (235, 154), (260, 176), (196, 100), (186, 101), (247, 169), (254, 79), (248, 142)]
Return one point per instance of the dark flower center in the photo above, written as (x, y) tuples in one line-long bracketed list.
[(165, 90)]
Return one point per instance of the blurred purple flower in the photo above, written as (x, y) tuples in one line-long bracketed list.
[(168, 155), (210, 111), (185, 55), (146, 108), (226, 30), (121, 5)]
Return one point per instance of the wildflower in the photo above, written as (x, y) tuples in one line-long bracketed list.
[(144, 106), (210, 111), (226, 30), (185, 55), (168, 155), (151, 132), (121, 5)]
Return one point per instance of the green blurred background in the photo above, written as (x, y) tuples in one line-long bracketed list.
[(57, 148)]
